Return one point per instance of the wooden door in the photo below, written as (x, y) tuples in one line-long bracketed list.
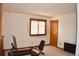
[(54, 33), (1, 38)]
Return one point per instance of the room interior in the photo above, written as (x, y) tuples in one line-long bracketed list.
[(24, 25)]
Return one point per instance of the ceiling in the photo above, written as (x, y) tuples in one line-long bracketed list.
[(46, 9)]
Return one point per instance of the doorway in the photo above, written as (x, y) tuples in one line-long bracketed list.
[(54, 32)]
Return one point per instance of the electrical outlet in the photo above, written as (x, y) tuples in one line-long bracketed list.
[(32, 42)]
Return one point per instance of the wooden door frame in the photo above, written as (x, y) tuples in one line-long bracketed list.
[(1, 36), (57, 31)]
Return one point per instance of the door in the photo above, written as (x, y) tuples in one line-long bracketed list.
[(1, 38), (54, 33)]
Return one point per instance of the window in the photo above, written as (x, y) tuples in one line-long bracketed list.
[(37, 27)]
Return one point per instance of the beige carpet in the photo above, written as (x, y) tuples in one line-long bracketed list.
[(53, 51)]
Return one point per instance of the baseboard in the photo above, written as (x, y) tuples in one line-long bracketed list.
[(24, 47), (60, 48), (47, 44)]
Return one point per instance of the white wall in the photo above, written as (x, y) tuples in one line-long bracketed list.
[(67, 29), (18, 24), (77, 45)]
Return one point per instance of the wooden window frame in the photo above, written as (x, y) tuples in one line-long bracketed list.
[(38, 27)]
